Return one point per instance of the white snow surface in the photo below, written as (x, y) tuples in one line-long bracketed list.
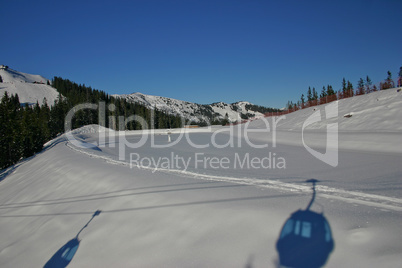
[(204, 214), (192, 111), (23, 84)]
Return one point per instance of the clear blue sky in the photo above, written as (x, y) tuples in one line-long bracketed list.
[(265, 52)]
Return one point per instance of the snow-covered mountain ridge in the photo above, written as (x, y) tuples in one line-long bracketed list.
[(34, 88), (30, 88), (193, 111)]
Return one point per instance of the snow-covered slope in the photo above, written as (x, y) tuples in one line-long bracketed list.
[(210, 213), (193, 111), (371, 122), (30, 88), (379, 111)]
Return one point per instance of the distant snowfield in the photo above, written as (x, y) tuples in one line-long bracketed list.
[(29, 93), (200, 200)]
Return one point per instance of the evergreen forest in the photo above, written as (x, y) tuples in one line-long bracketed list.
[(25, 129)]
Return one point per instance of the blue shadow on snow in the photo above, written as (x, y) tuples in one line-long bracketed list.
[(66, 253), (305, 240)]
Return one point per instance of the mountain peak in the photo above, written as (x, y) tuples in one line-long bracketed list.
[(30, 88), (12, 76)]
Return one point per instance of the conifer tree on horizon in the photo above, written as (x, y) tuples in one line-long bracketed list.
[(344, 89), (330, 90), (315, 94), (349, 89), (323, 95), (309, 95), (368, 85), (388, 83), (360, 87)]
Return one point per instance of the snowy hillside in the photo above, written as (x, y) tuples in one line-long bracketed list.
[(379, 111), (30, 88), (33, 88), (193, 111), (210, 197)]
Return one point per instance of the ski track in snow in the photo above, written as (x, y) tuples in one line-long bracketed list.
[(378, 201)]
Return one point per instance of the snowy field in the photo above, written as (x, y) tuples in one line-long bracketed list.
[(210, 197)]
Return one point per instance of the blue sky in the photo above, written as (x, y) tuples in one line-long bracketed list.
[(265, 52)]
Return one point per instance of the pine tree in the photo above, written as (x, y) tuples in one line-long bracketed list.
[(10, 133), (289, 105), (344, 88), (350, 90), (323, 92), (330, 90), (309, 95), (1, 79), (360, 87), (57, 114), (323, 95), (388, 83), (315, 94), (4, 136), (28, 132), (314, 97), (368, 84)]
